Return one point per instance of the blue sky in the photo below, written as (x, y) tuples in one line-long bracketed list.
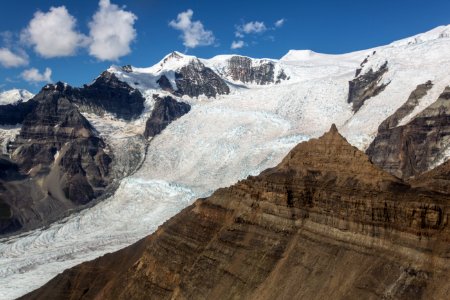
[(97, 33)]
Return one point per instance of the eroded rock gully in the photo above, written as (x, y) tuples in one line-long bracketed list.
[(324, 224)]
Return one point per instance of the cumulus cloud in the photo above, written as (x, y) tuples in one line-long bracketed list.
[(237, 44), (250, 28), (111, 31), (53, 33), (9, 59), (193, 32), (279, 23), (34, 76)]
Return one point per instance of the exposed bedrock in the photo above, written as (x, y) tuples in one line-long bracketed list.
[(419, 145), (196, 79), (365, 86), (241, 68), (324, 224), (165, 84), (12, 114), (165, 111), (111, 95), (107, 94), (62, 161)]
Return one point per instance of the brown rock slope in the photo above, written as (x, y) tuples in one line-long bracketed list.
[(324, 224)]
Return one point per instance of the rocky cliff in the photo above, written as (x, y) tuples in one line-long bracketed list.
[(165, 111), (243, 69), (195, 79), (324, 224), (61, 161), (107, 94), (366, 85), (12, 114), (413, 148)]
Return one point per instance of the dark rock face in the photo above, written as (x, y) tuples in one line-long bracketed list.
[(61, 161), (404, 110), (324, 224), (196, 79), (366, 86), (165, 84), (166, 111), (240, 69), (109, 94), (12, 114), (9, 171), (106, 94), (413, 148), (281, 76)]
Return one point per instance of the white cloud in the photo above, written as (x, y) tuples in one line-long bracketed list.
[(10, 59), (53, 33), (250, 28), (237, 44), (34, 76), (111, 31), (194, 34), (279, 23)]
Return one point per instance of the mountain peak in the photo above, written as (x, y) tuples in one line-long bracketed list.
[(333, 153), (14, 96), (333, 129)]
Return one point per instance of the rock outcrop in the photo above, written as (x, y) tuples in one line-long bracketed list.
[(251, 71), (9, 171), (12, 114), (165, 111), (416, 147), (195, 79), (366, 85), (165, 84), (108, 94), (61, 161), (240, 68), (324, 224)]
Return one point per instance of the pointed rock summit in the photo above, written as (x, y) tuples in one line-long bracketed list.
[(325, 223)]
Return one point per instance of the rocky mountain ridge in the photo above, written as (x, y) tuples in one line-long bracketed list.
[(227, 137), (324, 223), (61, 163)]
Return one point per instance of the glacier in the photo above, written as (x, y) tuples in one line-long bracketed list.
[(219, 142)]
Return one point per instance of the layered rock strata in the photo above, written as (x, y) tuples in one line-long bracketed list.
[(417, 146), (324, 224), (62, 162)]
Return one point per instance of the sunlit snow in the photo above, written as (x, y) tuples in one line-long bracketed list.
[(219, 142)]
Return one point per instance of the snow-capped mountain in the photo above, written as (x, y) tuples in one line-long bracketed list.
[(245, 115), (14, 96)]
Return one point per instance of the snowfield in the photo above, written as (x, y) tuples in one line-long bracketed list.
[(14, 96), (219, 142)]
